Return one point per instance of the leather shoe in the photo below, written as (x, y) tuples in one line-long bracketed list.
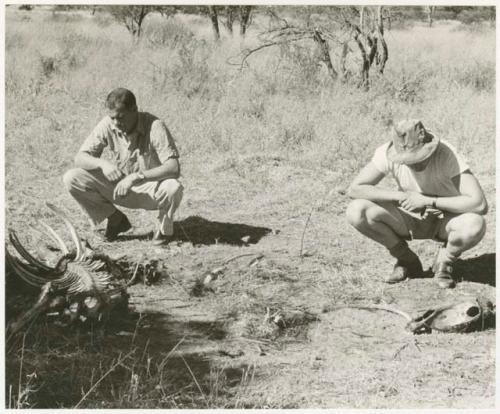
[(160, 239), (443, 276), (116, 226), (403, 270)]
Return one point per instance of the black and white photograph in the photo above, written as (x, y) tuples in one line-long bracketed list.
[(249, 206)]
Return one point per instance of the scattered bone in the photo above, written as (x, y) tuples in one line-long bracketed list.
[(92, 306)]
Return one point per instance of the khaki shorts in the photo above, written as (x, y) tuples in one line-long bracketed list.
[(424, 228)]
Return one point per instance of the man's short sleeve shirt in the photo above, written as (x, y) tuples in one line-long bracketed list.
[(435, 180), (148, 146)]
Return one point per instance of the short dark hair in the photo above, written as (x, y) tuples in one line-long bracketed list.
[(120, 98)]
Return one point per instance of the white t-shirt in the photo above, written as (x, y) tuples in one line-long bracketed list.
[(435, 180)]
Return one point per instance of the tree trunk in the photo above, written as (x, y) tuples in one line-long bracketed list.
[(361, 18), (430, 14), (343, 70), (325, 53), (371, 39), (244, 18), (215, 22), (383, 52), (230, 13), (365, 65), (140, 19)]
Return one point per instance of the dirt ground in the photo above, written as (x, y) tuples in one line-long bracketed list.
[(282, 248)]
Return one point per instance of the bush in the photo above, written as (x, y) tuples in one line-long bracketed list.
[(63, 17), (167, 32), (102, 20), (479, 76), (476, 14), (300, 61), (191, 73)]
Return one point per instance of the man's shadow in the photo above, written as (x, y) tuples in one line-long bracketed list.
[(481, 269), (200, 231)]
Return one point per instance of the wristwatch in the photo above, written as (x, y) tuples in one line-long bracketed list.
[(140, 175)]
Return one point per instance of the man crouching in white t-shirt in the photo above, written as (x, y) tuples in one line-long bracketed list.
[(438, 198)]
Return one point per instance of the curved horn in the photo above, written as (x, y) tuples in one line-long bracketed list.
[(25, 254), (71, 228), (54, 236), (23, 271)]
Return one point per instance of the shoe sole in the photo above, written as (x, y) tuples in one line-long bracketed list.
[(445, 283)]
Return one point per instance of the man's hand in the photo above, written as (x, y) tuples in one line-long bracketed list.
[(161, 195), (111, 171), (124, 186), (414, 201)]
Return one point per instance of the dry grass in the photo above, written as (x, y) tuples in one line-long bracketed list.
[(261, 149)]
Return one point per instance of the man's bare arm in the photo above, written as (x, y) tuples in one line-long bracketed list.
[(470, 200), (169, 169), (364, 186), (88, 162)]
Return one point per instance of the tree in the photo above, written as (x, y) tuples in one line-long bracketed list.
[(349, 28), (429, 10), (132, 17), (230, 12), (212, 12), (244, 19)]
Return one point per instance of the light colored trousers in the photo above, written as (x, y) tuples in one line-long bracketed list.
[(94, 193)]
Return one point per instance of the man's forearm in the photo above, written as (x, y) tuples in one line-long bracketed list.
[(170, 169), (373, 193), (459, 204), (87, 161)]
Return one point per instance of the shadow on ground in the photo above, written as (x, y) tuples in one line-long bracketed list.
[(147, 360), (198, 230), (481, 269)]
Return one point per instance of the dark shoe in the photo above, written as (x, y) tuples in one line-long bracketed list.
[(442, 274), (117, 223), (406, 269), (160, 239), (443, 269)]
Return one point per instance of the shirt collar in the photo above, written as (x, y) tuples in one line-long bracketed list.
[(139, 127)]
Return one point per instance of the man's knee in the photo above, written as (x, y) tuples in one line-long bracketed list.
[(470, 227), (71, 177), (356, 212), (172, 188)]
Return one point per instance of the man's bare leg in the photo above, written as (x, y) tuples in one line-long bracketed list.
[(462, 232), (383, 223)]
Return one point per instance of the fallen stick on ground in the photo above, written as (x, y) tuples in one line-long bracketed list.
[(259, 255), (373, 307)]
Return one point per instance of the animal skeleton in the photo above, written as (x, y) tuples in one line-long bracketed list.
[(81, 278)]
